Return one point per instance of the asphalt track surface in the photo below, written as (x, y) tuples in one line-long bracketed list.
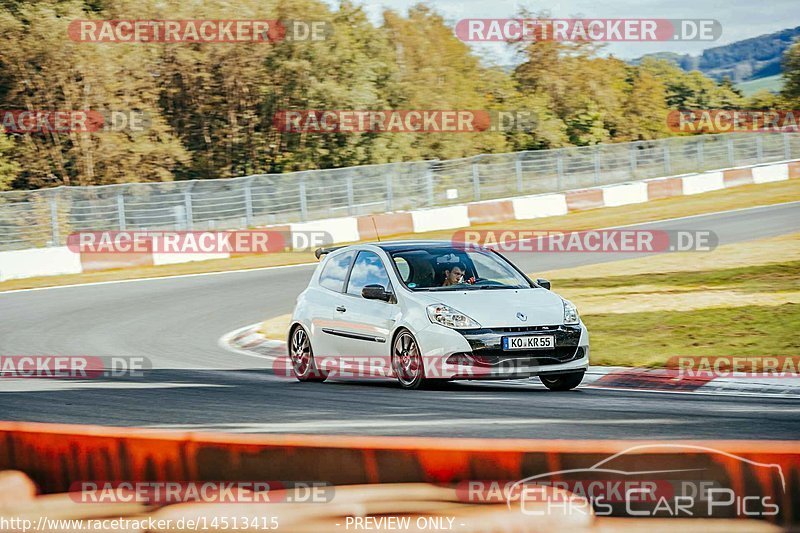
[(198, 385)]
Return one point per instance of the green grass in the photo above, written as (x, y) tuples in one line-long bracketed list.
[(773, 277), (770, 83), (650, 339)]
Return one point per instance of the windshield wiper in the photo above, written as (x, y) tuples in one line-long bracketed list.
[(458, 287), (468, 287)]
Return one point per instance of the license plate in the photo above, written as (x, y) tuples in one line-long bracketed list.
[(530, 342)]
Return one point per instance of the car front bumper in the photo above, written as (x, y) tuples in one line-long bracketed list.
[(478, 354)]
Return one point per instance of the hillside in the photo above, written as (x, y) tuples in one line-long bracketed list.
[(770, 83), (748, 59)]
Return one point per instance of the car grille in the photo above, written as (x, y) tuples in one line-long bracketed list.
[(486, 344), (513, 329), (522, 358)]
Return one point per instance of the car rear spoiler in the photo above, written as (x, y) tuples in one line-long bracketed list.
[(319, 252)]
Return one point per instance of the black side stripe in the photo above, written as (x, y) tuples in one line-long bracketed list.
[(350, 335)]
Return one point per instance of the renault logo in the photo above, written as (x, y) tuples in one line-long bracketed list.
[(522, 316)]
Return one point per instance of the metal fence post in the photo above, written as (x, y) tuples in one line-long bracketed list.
[(518, 172), (596, 164), (731, 155), (121, 211), (787, 147), (633, 151), (187, 202), (559, 168), (667, 162), (303, 201), (248, 202), (700, 155), (759, 149), (389, 192), (476, 182), (54, 219), (350, 206), (429, 185)]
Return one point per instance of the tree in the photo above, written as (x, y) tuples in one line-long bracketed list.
[(692, 90), (435, 70), (45, 71), (791, 75), (645, 108), (9, 168)]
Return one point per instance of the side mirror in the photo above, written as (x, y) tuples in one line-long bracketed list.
[(376, 292), (543, 283)]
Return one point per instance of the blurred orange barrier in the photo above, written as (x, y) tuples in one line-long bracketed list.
[(664, 188), (382, 224), (56, 455), (737, 176), (488, 212), (584, 199), (794, 169)]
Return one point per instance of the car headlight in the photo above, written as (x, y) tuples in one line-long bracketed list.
[(570, 313), (450, 318)]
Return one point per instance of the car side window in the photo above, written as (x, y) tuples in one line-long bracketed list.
[(367, 270), (335, 271), (403, 268)]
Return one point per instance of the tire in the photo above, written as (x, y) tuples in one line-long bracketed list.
[(407, 361), (302, 357), (561, 382)]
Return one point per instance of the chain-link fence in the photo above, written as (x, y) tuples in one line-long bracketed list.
[(45, 217)]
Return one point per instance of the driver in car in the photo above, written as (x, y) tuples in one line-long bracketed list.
[(454, 276)]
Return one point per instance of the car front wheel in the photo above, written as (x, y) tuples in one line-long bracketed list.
[(562, 381), (407, 361), (305, 369)]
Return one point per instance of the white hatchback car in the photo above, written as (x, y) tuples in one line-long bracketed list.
[(433, 311)]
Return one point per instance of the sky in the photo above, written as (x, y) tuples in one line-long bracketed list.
[(740, 19)]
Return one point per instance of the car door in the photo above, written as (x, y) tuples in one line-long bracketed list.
[(366, 325), (327, 295)]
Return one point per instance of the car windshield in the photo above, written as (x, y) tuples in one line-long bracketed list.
[(456, 268)]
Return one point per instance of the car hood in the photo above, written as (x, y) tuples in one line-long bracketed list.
[(499, 308)]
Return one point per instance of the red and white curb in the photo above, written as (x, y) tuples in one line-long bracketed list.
[(661, 380), (248, 341)]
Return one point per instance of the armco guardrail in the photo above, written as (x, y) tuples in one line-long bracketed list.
[(40, 218), (57, 456)]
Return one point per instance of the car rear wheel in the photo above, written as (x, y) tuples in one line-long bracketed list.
[(302, 356), (562, 381), (407, 361)]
